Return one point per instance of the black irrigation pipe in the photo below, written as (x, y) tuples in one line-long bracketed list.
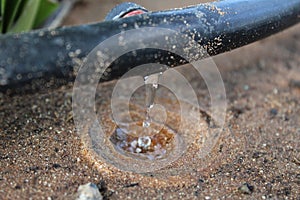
[(45, 53)]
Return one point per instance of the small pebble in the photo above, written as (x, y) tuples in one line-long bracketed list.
[(246, 87), (246, 188), (294, 83), (55, 165), (273, 112), (88, 191)]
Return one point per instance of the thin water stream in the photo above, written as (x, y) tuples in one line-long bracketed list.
[(151, 85), (146, 138)]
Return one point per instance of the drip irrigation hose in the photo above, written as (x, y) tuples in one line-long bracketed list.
[(46, 53)]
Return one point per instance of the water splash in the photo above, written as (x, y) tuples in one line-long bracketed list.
[(153, 142)]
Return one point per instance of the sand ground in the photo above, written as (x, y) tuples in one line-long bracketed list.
[(41, 155)]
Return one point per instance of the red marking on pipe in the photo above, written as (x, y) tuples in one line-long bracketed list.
[(134, 12)]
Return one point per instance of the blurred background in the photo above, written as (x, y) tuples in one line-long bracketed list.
[(25, 15), (96, 10)]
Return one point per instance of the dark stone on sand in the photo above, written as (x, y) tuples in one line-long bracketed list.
[(55, 165), (273, 112), (294, 84), (246, 188)]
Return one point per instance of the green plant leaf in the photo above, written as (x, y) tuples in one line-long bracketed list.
[(26, 20), (3, 2), (11, 10), (2, 6), (0, 15), (46, 8)]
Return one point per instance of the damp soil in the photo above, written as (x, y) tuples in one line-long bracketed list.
[(257, 156)]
